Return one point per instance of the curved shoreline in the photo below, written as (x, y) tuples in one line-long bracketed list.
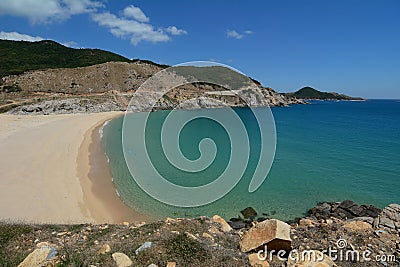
[(100, 194)]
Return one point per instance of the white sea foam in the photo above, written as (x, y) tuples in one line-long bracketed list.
[(102, 127)]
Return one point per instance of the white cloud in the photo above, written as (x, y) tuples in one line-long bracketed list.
[(135, 13), (132, 24), (47, 10), (71, 44), (234, 34), (237, 35), (126, 28), (175, 31), (15, 36), (134, 29)]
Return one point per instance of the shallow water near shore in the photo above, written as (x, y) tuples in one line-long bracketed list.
[(326, 151)]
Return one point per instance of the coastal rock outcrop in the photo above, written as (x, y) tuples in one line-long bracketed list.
[(70, 105), (188, 242), (389, 218), (344, 210)]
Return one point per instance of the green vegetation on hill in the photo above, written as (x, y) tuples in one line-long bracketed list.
[(17, 57), (311, 93)]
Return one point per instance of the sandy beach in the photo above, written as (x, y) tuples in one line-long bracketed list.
[(53, 170)]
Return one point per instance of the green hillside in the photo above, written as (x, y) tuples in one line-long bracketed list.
[(19, 56), (311, 93)]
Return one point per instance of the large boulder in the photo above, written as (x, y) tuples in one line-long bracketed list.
[(43, 254), (273, 233), (389, 218)]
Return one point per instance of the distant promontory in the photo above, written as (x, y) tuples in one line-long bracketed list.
[(311, 93)]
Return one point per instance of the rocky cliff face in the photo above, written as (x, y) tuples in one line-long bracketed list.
[(110, 86)]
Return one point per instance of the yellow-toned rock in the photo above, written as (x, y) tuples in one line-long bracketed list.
[(171, 264), (122, 260), (312, 258), (255, 261), (105, 249), (357, 226), (225, 227), (39, 256), (306, 222), (273, 233)]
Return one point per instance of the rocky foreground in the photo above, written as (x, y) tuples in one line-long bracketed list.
[(352, 235)]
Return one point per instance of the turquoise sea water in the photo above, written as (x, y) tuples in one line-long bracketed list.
[(326, 151)]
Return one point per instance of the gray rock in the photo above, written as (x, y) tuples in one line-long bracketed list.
[(389, 218), (143, 247), (65, 106), (237, 224)]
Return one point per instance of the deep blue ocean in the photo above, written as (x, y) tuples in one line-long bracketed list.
[(326, 151)]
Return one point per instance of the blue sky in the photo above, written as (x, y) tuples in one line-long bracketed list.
[(349, 46)]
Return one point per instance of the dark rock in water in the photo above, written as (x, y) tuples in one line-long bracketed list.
[(236, 219), (249, 213), (371, 211), (344, 210), (346, 204), (237, 224), (260, 219), (321, 211), (342, 214)]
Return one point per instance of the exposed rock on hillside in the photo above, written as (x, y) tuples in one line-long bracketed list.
[(113, 84), (101, 78)]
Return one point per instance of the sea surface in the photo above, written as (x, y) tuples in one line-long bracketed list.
[(326, 151)]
